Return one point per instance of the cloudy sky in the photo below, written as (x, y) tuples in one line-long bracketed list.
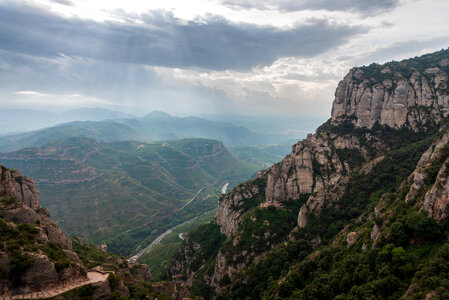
[(245, 57)]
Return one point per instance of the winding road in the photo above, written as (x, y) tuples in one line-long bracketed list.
[(157, 240)]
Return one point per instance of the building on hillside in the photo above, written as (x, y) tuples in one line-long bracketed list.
[(104, 247)]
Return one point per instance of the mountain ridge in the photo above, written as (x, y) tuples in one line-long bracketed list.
[(156, 126), (342, 189)]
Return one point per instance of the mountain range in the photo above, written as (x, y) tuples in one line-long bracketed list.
[(156, 126), (357, 210)]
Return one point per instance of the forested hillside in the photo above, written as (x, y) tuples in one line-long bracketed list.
[(126, 192), (357, 210)]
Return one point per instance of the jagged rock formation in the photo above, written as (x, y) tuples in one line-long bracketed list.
[(433, 168), (383, 120), (377, 94), (235, 203), (14, 185), (19, 203), (313, 166)]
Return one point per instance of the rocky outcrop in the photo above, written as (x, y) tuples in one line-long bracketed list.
[(313, 167), (352, 238), (375, 232), (142, 272), (436, 198), (181, 261), (378, 94), (235, 203), (354, 162), (14, 185), (173, 290), (19, 204)]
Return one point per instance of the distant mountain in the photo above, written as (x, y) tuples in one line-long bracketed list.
[(123, 192), (102, 130), (22, 120), (163, 126), (155, 126)]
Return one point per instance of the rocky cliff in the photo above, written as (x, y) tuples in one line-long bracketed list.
[(238, 201), (375, 177), (35, 254), (14, 185), (36, 257), (396, 95), (430, 180)]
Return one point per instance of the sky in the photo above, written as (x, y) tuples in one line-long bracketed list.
[(197, 57)]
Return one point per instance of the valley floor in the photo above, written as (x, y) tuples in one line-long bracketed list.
[(160, 237)]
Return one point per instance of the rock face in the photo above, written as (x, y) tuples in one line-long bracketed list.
[(235, 203), (370, 104), (19, 203), (143, 273), (436, 198), (313, 167), (14, 184), (351, 238), (180, 262), (377, 94), (171, 289)]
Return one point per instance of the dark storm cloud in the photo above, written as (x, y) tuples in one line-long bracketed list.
[(361, 6), (211, 43)]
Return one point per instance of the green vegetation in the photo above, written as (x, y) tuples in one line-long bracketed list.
[(259, 231), (92, 256), (384, 271), (57, 255), (352, 156), (16, 241), (8, 201), (17, 237), (409, 247), (209, 239), (261, 156), (435, 166), (127, 193), (18, 265), (103, 131), (373, 72), (158, 259)]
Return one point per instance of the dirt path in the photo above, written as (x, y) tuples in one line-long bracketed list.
[(93, 277)]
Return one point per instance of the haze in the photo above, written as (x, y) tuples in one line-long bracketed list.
[(220, 57)]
